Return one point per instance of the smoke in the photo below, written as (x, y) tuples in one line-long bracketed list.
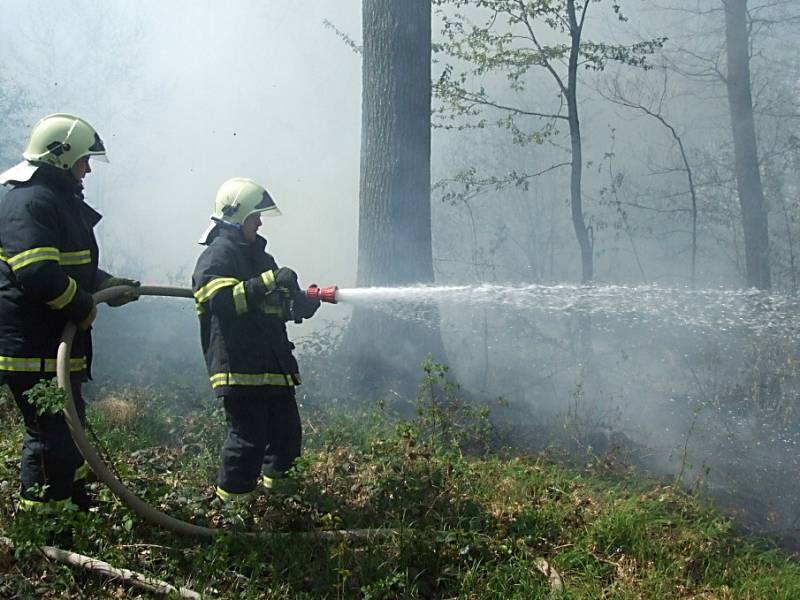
[(189, 94)]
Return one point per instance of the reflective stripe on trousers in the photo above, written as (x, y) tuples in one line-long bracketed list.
[(281, 379)]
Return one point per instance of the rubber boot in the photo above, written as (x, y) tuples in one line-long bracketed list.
[(81, 496)]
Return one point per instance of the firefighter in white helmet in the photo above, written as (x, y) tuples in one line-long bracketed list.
[(48, 272), (244, 300)]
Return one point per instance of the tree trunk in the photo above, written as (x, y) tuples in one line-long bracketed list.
[(748, 177), (394, 237), (576, 170)]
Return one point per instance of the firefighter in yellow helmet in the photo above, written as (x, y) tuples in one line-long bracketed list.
[(244, 300), (48, 272)]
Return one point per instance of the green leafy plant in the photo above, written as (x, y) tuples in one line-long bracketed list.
[(445, 417), (47, 397)]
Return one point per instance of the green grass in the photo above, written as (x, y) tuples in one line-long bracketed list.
[(469, 525)]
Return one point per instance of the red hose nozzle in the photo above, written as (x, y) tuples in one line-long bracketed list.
[(326, 294)]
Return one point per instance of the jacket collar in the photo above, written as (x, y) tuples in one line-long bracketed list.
[(64, 183), (58, 179)]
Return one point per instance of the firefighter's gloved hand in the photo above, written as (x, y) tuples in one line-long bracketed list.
[(287, 279), (87, 322), (125, 297), (303, 307)]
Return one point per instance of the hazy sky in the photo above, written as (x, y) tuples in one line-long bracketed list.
[(189, 94)]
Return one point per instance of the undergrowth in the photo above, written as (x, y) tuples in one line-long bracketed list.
[(466, 520)]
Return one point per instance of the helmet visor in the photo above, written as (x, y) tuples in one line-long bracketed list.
[(266, 206), (266, 202), (272, 211), (98, 149)]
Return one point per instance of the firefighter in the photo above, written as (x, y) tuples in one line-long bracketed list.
[(48, 271), (244, 300)]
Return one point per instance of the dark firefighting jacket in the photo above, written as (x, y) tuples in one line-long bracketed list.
[(242, 316), (48, 271)]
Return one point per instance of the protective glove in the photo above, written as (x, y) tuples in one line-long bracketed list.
[(125, 297), (287, 279), (87, 322), (303, 307)]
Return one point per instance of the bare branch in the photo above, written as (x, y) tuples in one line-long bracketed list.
[(475, 99), (349, 41), (98, 566), (656, 209), (583, 16)]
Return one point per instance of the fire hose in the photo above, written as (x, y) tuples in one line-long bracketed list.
[(104, 474)]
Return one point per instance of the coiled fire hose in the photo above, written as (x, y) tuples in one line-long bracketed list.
[(104, 474)]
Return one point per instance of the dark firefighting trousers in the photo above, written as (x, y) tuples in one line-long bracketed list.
[(49, 456), (263, 435)]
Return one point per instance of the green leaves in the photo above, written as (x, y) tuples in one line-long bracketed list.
[(47, 397), (518, 39)]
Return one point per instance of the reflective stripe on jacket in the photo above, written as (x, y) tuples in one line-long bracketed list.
[(242, 323), (48, 271)]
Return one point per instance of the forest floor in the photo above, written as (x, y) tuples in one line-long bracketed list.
[(454, 515)]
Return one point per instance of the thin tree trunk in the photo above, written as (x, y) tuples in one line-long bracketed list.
[(576, 171), (576, 200), (789, 241), (748, 177)]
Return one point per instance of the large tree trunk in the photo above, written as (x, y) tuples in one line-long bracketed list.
[(748, 177), (394, 237)]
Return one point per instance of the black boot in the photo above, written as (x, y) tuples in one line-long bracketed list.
[(81, 497)]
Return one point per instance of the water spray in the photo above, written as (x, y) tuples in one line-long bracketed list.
[(714, 309)]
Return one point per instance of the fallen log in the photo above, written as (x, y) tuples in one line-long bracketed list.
[(103, 568)]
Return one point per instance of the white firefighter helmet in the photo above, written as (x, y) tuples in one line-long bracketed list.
[(58, 140), (237, 199), (61, 139)]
